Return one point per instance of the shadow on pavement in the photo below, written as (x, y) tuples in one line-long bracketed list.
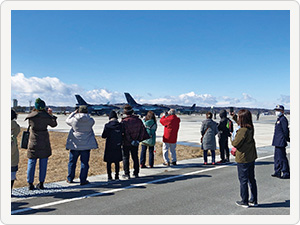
[(285, 204)]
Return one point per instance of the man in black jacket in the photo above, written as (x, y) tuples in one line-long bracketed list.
[(280, 139), (225, 128)]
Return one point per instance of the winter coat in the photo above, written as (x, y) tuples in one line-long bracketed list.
[(39, 143), (171, 124), (225, 127), (81, 135), (281, 132), (113, 147), (133, 129), (245, 145), (15, 130), (151, 127), (209, 140)]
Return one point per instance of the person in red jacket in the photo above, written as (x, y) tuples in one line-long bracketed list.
[(171, 123)]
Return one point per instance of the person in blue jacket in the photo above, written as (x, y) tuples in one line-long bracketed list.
[(280, 139)]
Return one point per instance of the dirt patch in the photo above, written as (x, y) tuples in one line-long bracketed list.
[(58, 162)]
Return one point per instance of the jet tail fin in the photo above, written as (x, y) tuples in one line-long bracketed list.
[(130, 100), (80, 100), (193, 106)]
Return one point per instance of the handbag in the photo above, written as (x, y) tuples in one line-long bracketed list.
[(201, 140), (25, 138)]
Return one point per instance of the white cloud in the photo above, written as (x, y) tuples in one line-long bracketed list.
[(55, 92)]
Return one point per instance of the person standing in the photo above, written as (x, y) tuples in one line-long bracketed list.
[(171, 126), (81, 140), (245, 157), (208, 131), (15, 130), (151, 126), (134, 132), (39, 143), (280, 139), (225, 128), (113, 147)]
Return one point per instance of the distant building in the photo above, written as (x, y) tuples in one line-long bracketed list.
[(15, 103)]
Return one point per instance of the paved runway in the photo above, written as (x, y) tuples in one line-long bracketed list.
[(187, 189)]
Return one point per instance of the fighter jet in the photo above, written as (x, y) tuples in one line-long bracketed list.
[(188, 111), (143, 109), (96, 109)]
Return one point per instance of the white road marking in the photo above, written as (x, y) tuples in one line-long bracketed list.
[(124, 188)]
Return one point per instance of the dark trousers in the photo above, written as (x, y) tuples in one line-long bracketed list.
[(213, 155), (84, 169), (133, 150), (281, 163), (108, 168), (143, 155), (246, 175), (223, 143)]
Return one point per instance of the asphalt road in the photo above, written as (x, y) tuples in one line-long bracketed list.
[(187, 189)]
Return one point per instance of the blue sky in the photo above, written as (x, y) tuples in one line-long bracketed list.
[(220, 58)]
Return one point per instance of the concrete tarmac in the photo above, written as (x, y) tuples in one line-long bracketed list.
[(190, 188)]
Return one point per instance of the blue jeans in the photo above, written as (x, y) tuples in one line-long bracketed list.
[(246, 175), (213, 155), (143, 155), (84, 158), (31, 169)]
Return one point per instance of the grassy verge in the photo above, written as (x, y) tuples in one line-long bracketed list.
[(58, 162)]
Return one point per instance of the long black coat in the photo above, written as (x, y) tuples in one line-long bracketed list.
[(113, 146)]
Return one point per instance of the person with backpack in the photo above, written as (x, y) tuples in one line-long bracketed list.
[(113, 147), (151, 126), (225, 128)]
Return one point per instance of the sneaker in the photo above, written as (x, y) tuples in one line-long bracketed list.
[(205, 163), (40, 186), (109, 179), (143, 166), (166, 164), (126, 177), (84, 183), (70, 181), (117, 177), (31, 187), (174, 163), (150, 166), (242, 204), (221, 161), (212, 163), (285, 177), (252, 203), (136, 176)]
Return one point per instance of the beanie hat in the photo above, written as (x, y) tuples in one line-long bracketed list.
[(128, 109), (83, 109), (223, 113), (113, 114), (39, 104)]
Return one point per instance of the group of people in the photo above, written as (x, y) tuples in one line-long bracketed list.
[(124, 138)]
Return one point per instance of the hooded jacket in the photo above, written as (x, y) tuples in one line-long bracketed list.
[(113, 147), (151, 127), (39, 143), (133, 129), (225, 126), (209, 140), (15, 130), (171, 124), (81, 135)]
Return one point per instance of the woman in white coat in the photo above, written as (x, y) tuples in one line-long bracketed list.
[(80, 141)]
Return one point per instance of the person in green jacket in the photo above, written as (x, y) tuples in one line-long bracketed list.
[(245, 157), (151, 127)]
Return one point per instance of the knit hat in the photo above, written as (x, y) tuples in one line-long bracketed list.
[(39, 104), (83, 109), (128, 109), (113, 114)]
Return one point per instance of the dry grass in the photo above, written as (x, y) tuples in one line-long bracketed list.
[(58, 162)]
